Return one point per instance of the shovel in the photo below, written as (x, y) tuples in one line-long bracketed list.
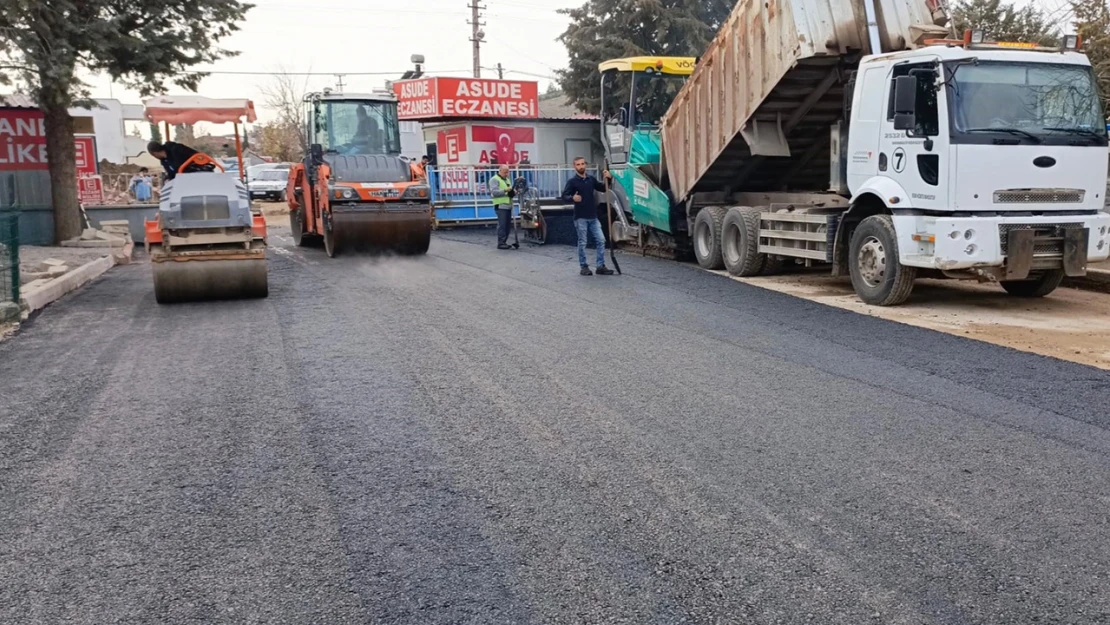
[(612, 243)]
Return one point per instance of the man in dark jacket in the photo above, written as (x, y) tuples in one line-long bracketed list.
[(173, 156), (580, 190)]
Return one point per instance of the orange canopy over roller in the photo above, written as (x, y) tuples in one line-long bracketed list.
[(192, 109)]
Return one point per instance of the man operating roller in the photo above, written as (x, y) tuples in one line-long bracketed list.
[(173, 156)]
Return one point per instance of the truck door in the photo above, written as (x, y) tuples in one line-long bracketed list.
[(916, 158), (865, 126)]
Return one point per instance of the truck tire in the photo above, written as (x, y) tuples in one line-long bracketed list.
[(877, 276), (773, 264), (707, 237), (1037, 287), (740, 242)]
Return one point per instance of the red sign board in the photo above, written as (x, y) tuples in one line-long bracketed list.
[(430, 98), (451, 144), (23, 144), (86, 156), (504, 146), (90, 190), (22, 140)]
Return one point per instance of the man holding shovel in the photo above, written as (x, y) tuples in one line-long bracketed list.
[(580, 189)]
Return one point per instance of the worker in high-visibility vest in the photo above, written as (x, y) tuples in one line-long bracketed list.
[(501, 190)]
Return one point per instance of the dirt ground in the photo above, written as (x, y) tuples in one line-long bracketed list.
[(1070, 324), (276, 213)]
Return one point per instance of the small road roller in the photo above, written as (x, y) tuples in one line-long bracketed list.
[(205, 243)]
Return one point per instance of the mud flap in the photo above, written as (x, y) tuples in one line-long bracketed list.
[(1019, 253), (1075, 252)]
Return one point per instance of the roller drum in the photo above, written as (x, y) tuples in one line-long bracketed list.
[(381, 232), (200, 280)]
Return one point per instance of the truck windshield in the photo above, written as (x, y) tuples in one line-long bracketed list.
[(359, 127), (1024, 102)]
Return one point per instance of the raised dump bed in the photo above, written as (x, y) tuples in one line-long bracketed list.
[(755, 115)]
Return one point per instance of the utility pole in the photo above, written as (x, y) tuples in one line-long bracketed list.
[(339, 82), (476, 34), (500, 72)]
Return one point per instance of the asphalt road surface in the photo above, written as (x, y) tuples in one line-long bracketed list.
[(478, 436)]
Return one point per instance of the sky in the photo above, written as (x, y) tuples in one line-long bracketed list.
[(352, 36)]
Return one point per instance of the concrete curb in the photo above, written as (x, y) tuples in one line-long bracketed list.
[(56, 288)]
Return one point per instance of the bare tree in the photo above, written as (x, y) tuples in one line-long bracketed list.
[(285, 96)]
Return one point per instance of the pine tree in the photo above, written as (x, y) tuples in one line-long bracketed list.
[(1005, 22), (608, 29), (47, 44)]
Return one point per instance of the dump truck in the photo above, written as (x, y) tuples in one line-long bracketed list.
[(205, 242), (354, 190), (867, 137)]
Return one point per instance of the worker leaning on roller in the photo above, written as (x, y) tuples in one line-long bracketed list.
[(173, 156)]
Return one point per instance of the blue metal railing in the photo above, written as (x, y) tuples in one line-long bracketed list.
[(460, 193)]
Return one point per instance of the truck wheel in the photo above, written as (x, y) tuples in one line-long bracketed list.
[(773, 265), (877, 276), (707, 237), (1037, 287), (740, 242), (296, 224)]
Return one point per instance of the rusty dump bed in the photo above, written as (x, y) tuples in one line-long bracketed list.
[(776, 64)]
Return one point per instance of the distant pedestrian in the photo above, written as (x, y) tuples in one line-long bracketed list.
[(140, 185), (501, 190), (580, 189)]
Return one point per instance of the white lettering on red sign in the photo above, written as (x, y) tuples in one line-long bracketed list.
[(487, 89), (23, 144), (487, 108), (22, 140), (90, 190), (457, 97)]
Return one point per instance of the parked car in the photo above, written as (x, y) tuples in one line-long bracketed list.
[(254, 170), (269, 184)]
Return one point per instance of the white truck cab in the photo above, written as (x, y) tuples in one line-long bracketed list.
[(991, 161)]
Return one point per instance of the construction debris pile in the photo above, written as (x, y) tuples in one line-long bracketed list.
[(115, 236), (38, 275)]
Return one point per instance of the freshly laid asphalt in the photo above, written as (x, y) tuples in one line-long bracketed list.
[(478, 436)]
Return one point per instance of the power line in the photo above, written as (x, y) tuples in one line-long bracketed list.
[(225, 73), (522, 73)]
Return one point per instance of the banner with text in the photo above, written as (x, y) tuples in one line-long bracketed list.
[(504, 146), (432, 98)]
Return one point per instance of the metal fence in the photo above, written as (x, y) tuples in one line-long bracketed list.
[(470, 183), (9, 260), (461, 193)]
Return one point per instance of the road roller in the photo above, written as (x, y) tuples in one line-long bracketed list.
[(205, 243), (354, 191)]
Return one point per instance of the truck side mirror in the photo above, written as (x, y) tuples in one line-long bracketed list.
[(905, 102)]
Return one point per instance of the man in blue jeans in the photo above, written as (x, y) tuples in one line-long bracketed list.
[(580, 190)]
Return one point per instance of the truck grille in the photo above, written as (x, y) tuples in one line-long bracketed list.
[(1048, 239), (1039, 196)]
